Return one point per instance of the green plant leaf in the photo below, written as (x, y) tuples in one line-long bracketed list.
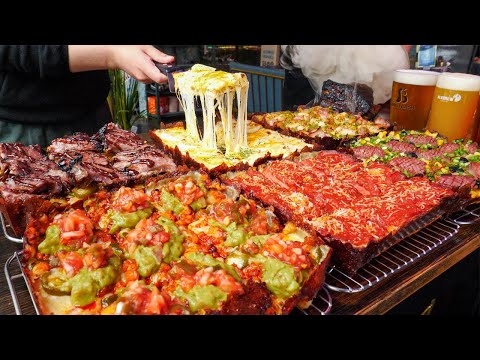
[(123, 98)]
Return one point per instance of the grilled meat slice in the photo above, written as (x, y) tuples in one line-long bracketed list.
[(421, 139), (430, 154), (474, 169), (399, 146), (32, 184), (407, 164), (455, 182), (78, 142), (366, 152), (21, 152), (114, 139), (90, 166), (13, 167), (21, 160), (356, 99), (15, 158), (143, 162), (471, 148), (440, 152), (448, 148)]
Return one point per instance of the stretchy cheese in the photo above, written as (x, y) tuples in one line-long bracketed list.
[(216, 90)]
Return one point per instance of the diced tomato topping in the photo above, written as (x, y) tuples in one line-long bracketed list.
[(96, 256), (219, 278), (186, 190), (186, 282), (185, 217), (128, 200), (161, 277), (214, 196), (71, 261), (253, 271), (288, 251), (103, 237), (227, 211), (75, 229), (259, 224), (138, 299), (147, 232), (130, 269)]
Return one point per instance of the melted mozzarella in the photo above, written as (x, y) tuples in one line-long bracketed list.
[(215, 90)]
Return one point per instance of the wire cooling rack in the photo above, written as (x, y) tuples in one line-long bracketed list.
[(399, 256), (467, 216), (321, 305)]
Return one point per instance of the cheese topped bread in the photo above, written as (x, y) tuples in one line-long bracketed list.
[(215, 90)]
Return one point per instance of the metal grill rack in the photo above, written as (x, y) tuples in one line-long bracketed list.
[(17, 283), (394, 259), (467, 216), (6, 232), (321, 305)]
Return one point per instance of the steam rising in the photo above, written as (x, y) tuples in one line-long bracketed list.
[(372, 65)]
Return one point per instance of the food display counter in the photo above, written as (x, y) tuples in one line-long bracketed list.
[(346, 217)]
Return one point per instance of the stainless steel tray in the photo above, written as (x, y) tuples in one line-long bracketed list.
[(6, 231), (17, 281)]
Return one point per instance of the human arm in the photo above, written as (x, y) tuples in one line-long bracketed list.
[(51, 61), (136, 60)]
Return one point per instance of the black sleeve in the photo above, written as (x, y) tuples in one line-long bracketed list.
[(44, 61)]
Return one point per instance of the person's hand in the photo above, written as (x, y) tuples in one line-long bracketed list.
[(137, 61)]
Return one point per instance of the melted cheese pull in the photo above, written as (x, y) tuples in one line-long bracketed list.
[(216, 91)]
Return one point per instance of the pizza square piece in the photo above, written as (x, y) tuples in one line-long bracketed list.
[(178, 245)]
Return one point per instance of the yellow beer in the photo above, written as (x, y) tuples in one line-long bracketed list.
[(454, 104), (412, 94)]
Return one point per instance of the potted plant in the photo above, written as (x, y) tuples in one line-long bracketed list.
[(123, 99)]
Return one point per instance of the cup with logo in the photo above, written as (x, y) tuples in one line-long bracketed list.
[(454, 106), (412, 93)]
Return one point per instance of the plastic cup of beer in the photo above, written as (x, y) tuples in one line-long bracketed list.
[(412, 93), (454, 105)]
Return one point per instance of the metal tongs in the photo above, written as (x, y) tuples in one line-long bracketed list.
[(169, 70)]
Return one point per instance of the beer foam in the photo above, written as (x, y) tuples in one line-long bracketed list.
[(416, 77), (459, 81)]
